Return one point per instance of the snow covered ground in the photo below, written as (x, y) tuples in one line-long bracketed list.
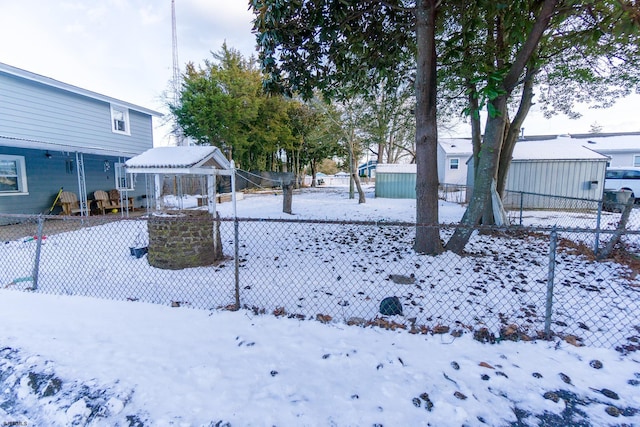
[(73, 360)]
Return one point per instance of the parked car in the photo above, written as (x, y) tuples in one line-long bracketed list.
[(621, 178)]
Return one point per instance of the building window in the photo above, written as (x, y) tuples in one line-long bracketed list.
[(120, 120), (13, 176), (636, 161), (454, 163)]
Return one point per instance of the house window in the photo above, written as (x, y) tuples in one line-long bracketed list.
[(636, 161), (13, 176), (120, 120), (454, 163)]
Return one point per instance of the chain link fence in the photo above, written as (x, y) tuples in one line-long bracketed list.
[(515, 283), (539, 210)]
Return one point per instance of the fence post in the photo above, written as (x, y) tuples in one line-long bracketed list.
[(552, 265), (36, 261), (237, 260), (596, 246), (236, 237), (287, 197), (521, 206)]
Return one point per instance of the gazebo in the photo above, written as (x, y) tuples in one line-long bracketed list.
[(195, 160), (182, 239)]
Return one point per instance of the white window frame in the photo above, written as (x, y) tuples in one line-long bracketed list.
[(21, 176), (115, 111), (636, 161), (457, 163)]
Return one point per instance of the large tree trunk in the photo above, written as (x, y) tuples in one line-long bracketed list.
[(427, 231), (297, 168), (361, 197), (476, 133), (353, 170), (356, 179), (313, 172), (526, 100), (620, 230), (495, 133), (487, 167), (488, 214)]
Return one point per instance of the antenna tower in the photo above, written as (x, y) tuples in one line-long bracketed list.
[(177, 131)]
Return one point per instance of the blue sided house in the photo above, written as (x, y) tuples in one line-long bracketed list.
[(55, 135)]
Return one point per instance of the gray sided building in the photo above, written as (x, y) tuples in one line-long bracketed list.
[(53, 135), (552, 174)]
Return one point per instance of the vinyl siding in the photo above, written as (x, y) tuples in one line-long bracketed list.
[(34, 111), (565, 178), (45, 176), (396, 185), (621, 159), (442, 167)]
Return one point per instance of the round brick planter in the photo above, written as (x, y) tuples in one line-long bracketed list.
[(183, 239)]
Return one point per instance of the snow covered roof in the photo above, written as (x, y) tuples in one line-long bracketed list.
[(605, 144), (198, 160), (561, 148), (396, 168), (457, 146), (28, 75)]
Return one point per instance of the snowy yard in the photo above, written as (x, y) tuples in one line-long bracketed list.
[(70, 359)]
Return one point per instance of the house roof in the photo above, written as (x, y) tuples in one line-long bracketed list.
[(612, 143), (457, 146), (369, 164), (561, 148), (396, 168), (603, 135), (195, 160), (18, 72)]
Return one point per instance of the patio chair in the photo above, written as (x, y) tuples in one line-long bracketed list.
[(102, 200), (114, 200), (69, 202)]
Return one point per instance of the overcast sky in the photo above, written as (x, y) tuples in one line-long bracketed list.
[(119, 48), (122, 48)]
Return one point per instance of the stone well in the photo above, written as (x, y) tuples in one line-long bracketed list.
[(183, 239)]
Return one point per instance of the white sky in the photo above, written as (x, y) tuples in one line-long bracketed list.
[(122, 48)]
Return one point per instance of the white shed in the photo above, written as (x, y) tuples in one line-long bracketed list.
[(452, 160)]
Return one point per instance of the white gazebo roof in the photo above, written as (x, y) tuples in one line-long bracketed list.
[(194, 160)]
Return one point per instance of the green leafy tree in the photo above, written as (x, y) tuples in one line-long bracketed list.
[(492, 54), (572, 52), (220, 102), (272, 137), (345, 48), (315, 123)]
